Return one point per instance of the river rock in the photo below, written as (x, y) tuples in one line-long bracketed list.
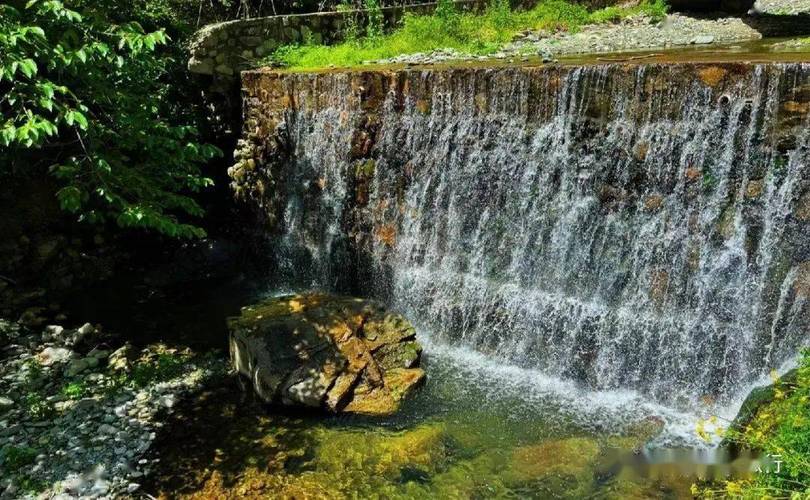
[(340, 354), (51, 355)]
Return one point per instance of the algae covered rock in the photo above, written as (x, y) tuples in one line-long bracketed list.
[(341, 354), (554, 466)]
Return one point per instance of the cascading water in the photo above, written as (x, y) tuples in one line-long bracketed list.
[(641, 227)]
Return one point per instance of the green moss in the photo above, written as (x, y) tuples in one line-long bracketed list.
[(365, 170), (478, 34), (802, 43), (420, 448)]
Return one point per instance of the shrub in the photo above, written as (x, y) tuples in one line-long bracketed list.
[(15, 457), (84, 95)]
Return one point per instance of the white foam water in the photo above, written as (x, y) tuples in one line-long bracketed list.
[(595, 231)]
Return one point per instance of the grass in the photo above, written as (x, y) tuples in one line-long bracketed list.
[(478, 34), (779, 428)]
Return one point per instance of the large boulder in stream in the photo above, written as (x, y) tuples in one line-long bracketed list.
[(341, 354)]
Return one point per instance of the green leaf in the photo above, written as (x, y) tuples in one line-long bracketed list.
[(70, 198), (80, 120), (8, 133), (46, 103), (28, 67)]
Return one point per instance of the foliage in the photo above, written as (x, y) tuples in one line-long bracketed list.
[(38, 407), (161, 365), (85, 96), (33, 372), (780, 428), (466, 32), (374, 26), (14, 457), (656, 9), (351, 29), (74, 390)]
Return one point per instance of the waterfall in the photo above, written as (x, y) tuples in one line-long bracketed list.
[(643, 227)]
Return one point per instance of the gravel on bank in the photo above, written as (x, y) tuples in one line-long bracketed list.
[(634, 33), (77, 419), (783, 7)]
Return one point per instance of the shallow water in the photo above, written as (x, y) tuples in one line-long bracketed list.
[(478, 428)]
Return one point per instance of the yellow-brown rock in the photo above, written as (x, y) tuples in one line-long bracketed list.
[(341, 354)]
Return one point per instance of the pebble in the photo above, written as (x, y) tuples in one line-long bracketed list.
[(106, 429), (76, 367), (702, 39), (51, 355), (100, 487)]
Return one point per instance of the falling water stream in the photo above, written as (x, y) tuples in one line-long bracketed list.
[(623, 228)]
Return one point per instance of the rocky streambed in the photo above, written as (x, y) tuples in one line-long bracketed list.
[(78, 415)]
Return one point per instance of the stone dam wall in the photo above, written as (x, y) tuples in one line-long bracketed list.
[(642, 226)]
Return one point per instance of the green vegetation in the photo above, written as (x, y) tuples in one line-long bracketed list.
[(74, 390), (14, 457), (447, 28), (803, 43), (38, 407), (85, 96), (163, 366), (779, 428)]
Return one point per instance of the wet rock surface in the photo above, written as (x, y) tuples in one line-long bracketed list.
[(77, 417), (340, 354)]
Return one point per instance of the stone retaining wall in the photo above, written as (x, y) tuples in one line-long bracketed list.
[(224, 49)]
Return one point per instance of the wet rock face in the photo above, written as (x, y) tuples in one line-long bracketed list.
[(340, 354)]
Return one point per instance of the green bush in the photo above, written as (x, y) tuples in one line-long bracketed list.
[(85, 95), (38, 407), (158, 367), (74, 390)]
